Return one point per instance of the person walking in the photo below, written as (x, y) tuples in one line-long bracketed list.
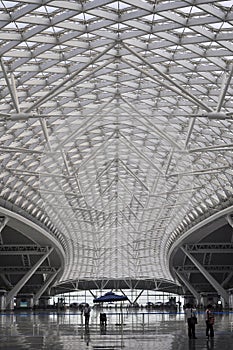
[(191, 316), (86, 312), (209, 318)]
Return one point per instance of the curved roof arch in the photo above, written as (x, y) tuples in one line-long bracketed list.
[(116, 126)]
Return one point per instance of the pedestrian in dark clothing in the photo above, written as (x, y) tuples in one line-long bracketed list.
[(103, 320), (209, 318), (191, 316), (86, 312)]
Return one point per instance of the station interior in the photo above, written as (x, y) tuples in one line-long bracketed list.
[(116, 159)]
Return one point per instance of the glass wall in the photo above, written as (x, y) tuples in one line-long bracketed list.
[(143, 299)]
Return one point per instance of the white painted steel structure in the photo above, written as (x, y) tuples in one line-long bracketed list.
[(116, 126)]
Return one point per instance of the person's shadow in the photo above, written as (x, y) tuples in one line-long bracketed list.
[(87, 335), (210, 344), (103, 329), (192, 345)]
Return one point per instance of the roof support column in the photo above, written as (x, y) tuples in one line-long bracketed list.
[(189, 286), (126, 296), (44, 287), (227, 279), (5, 280), (224, 91), (14, 291), (10, 88), (3, 222), (230, 220), (94, 296), (207, 275), (135, 300)]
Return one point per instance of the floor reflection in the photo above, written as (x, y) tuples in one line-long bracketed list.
[(129, 331)]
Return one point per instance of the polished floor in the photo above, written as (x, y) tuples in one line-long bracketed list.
[(128, 330)]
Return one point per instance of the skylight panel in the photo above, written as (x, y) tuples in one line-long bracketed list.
[(226, 3), (118, 5), (11, 25), (8, 4), (84, 17), (43, 9), (227, 25), (186, 9), (215, 25), (50, 9), (150, 18)]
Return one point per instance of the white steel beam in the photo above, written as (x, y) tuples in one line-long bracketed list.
[(19, 249), (145, 121), (224, 91), (166, 85), (216, 148), (14, 91), (69, 78), (135, 149), (129, 171), (8, 149), (34, 173), (208, 276), (229, 220), (46, 285), (189, 133), (102, 146), (45, 131), (86, 124), (5, 280), (3, 222), (14, 291), (212, 248), (227, 279), (169, 161), (75, 82), (199, 172), (11, 90), (64, 157), (180, 90), (189, 286)]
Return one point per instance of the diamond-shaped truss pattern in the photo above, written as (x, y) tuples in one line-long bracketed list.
[(116, 125)]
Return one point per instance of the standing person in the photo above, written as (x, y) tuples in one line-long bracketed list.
[(191, 316), (209, 318), (86, 312)]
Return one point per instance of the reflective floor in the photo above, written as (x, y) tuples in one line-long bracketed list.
[(128, 330)]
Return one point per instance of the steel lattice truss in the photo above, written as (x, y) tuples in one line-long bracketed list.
[(116, 125)]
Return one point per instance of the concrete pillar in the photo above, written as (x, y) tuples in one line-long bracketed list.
[(3, 299), (231, 300)]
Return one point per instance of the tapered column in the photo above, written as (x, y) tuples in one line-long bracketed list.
[(221, 291), (44, 287), (196, 295), (14, 291)]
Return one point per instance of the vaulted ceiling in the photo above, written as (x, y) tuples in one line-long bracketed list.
[(116, 127)]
